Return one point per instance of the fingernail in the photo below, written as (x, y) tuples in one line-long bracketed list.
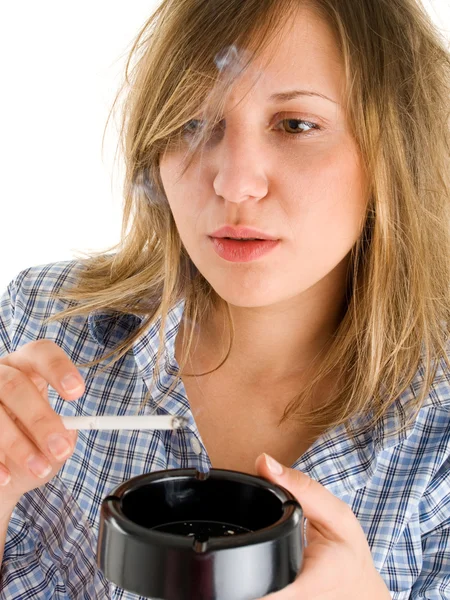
[(5, 477), (59, 446), (39, 466), (273, 465), (71, 382)]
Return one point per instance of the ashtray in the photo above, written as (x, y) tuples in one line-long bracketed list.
[(181, 534)]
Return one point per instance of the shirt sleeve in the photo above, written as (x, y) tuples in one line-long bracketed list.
[(50, 550), (20, 571), (21, 574), (7, 302), (50, 547), (433, 582)]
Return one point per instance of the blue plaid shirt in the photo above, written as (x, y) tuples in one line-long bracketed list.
[(398, 485)]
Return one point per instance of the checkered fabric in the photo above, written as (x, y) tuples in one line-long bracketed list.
[(398, 485)]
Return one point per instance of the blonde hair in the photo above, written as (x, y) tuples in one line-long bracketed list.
[(397, 71)]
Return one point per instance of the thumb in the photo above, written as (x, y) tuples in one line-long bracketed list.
[(332, 517)]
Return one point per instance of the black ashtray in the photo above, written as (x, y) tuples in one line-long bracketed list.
[(180, 534)]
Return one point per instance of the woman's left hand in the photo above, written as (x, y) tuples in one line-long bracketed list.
[(337, 562)]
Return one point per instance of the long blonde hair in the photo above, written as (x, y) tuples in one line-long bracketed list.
[(397, 69)]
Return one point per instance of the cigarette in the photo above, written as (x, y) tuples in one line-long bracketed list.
[(125, 422)]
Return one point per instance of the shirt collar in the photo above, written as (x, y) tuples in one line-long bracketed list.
[(108, 328)]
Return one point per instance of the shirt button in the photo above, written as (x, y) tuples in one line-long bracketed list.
[(195, 445)]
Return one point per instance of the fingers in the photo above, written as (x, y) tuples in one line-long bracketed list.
[(5, 475), (23, 466), (46, 363), (326, 513), (19, 449), (329, 515), (32, 414), (33, 440)]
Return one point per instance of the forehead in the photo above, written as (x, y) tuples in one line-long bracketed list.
[(303, 55)]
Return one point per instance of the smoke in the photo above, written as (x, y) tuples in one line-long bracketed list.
[(143, 184), (230, 62), (230, 59)]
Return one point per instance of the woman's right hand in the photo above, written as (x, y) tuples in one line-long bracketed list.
[(33, 441)]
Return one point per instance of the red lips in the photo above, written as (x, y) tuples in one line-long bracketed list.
[(241, 232)]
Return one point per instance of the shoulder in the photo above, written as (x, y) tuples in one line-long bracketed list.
[(420, 414), (427, 439), (42, 280), (30, 301), (438, 393)]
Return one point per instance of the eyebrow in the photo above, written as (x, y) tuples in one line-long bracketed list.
[(292, 94)]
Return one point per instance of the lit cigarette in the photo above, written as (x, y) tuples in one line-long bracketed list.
[(125, 422)]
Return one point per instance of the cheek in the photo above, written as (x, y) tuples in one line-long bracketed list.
[(187, 196), (188, 212), (330, 192), (327, 211), (176, 195)]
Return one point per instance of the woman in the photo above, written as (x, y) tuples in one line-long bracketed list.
[(321, 128)]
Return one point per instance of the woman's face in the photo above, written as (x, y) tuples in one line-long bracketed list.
[(289, 169)]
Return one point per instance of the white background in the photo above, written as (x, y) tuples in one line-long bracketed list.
[(61, 65)]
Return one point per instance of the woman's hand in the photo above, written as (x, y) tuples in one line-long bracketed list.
[(32, 438), (337, 562)]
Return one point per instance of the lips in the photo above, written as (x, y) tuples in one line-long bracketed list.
[(241, 233), (241, 251)]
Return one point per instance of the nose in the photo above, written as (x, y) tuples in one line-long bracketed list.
[(240, 167)]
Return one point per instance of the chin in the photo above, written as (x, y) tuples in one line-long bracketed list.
[(247, 298)]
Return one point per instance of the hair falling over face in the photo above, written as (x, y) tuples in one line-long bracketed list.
[(397, 85)]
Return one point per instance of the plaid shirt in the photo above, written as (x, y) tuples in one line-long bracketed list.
[(398, 485)]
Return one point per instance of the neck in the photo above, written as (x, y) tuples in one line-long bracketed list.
[(274, 344)]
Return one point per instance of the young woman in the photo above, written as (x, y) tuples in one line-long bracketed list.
[(282, 281)]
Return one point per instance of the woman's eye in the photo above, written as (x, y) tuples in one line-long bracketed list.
[(191, 127), (298, 126)]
